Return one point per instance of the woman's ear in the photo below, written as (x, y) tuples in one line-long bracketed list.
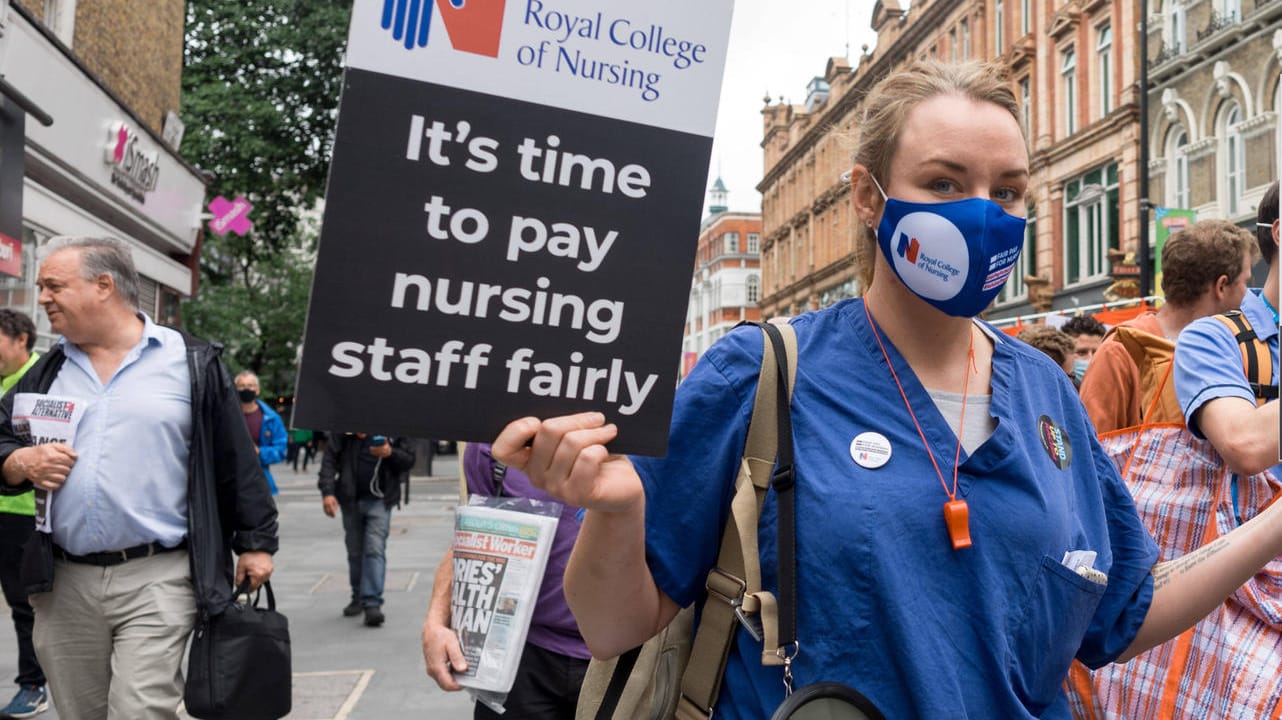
[(864, 196)]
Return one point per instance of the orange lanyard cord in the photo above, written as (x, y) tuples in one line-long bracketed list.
[(952, 494)]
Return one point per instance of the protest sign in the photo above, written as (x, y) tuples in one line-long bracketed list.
[(40, 419), (512, 215)]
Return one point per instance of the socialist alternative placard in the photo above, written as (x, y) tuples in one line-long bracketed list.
[(512, 214)]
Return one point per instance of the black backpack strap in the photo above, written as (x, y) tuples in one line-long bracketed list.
[(498, 471), (618, 680), (1256, 360)]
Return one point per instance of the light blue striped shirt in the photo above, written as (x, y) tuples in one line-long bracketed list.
[(129, 483)]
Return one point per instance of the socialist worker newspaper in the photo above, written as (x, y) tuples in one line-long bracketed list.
[(40, 419), (499, 558)]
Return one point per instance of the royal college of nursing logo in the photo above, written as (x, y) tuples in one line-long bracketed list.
[(473, 26), (931, 255)]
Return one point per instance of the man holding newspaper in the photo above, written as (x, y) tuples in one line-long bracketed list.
[(136, 441)]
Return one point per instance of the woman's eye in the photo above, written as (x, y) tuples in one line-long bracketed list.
[(943, 186), (1006, 195)]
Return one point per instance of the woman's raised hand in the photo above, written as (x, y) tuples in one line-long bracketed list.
[(566, 457)]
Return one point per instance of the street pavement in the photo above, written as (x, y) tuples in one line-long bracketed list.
[(342, 669)]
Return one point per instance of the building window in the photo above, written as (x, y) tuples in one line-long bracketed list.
[(1025, 17), (1176, 36), (18, 293), (999, 29), (965, 39), (952, 44), (1016, 287), (1068, 71), (1104, 48), (754, 243), (732, 243), (1026, 105), (754, 289), (1177, 169), (1230, 10), (1090, 224), (60, 17), (1233, 152)]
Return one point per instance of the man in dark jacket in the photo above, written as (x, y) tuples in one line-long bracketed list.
[(361, 476), (146, 504)]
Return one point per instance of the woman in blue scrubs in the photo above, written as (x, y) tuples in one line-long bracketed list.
[(984, 542)]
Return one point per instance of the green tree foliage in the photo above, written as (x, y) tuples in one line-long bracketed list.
[(261, 81)]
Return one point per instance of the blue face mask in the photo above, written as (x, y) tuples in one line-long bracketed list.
[(954, 255), (1079, 369)]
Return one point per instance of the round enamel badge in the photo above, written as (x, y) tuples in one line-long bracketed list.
[(870, 450), (1055, 442)]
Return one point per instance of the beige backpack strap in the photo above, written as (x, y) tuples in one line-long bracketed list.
[(734, 594), (462, 475)]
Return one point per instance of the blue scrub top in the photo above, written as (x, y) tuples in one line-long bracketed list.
[(886, 605)]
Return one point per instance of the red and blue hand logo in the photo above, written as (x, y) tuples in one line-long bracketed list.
[(473, 26)]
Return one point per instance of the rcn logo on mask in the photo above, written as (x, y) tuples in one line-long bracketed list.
[(931, 255), (473, 26)]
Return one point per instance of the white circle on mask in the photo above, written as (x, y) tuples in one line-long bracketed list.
[(930, 255)]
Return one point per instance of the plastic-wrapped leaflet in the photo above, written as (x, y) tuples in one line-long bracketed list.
[(501, 548)]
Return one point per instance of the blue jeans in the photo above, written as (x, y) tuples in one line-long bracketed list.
[(365, 524)]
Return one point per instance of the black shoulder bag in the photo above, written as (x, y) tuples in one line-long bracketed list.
[(239, 666)]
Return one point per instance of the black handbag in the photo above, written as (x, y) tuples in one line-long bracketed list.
[(239, 665)]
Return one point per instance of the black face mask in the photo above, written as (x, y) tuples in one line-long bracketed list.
[(247, 395)]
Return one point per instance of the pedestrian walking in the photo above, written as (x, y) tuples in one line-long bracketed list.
[(360, 478), (17, 522), (146, 510)]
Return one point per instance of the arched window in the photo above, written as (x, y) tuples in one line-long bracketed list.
[(1232, 158), (1177, 169), (1277, 108), (1176, 32)]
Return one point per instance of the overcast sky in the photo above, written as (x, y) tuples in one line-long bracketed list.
[(775, 47)]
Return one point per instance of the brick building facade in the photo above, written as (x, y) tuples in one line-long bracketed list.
[(726, 287), (1074, 67)]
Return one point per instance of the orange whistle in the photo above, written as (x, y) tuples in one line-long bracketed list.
[(957, 516)]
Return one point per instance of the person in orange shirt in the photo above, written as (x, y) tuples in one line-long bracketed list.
[(1205, 271)]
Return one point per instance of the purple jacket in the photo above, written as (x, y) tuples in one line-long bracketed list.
[(552, 627)]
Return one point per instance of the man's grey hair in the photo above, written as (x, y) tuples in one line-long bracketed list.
[(103, 256)]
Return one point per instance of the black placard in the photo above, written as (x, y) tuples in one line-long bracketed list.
[(411, 333)]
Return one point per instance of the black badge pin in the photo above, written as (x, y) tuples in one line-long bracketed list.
[(1055, 442)]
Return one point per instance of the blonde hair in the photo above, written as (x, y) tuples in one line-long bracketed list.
[(886, 108)]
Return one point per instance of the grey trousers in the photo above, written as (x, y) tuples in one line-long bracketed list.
[(111, 639)]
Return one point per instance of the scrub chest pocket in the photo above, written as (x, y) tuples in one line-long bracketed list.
[(1047, 631)]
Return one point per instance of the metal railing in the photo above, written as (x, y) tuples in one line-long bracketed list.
[(1218, 22), (1166, 52)]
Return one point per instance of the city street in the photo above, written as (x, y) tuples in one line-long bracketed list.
[(342, 669)]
